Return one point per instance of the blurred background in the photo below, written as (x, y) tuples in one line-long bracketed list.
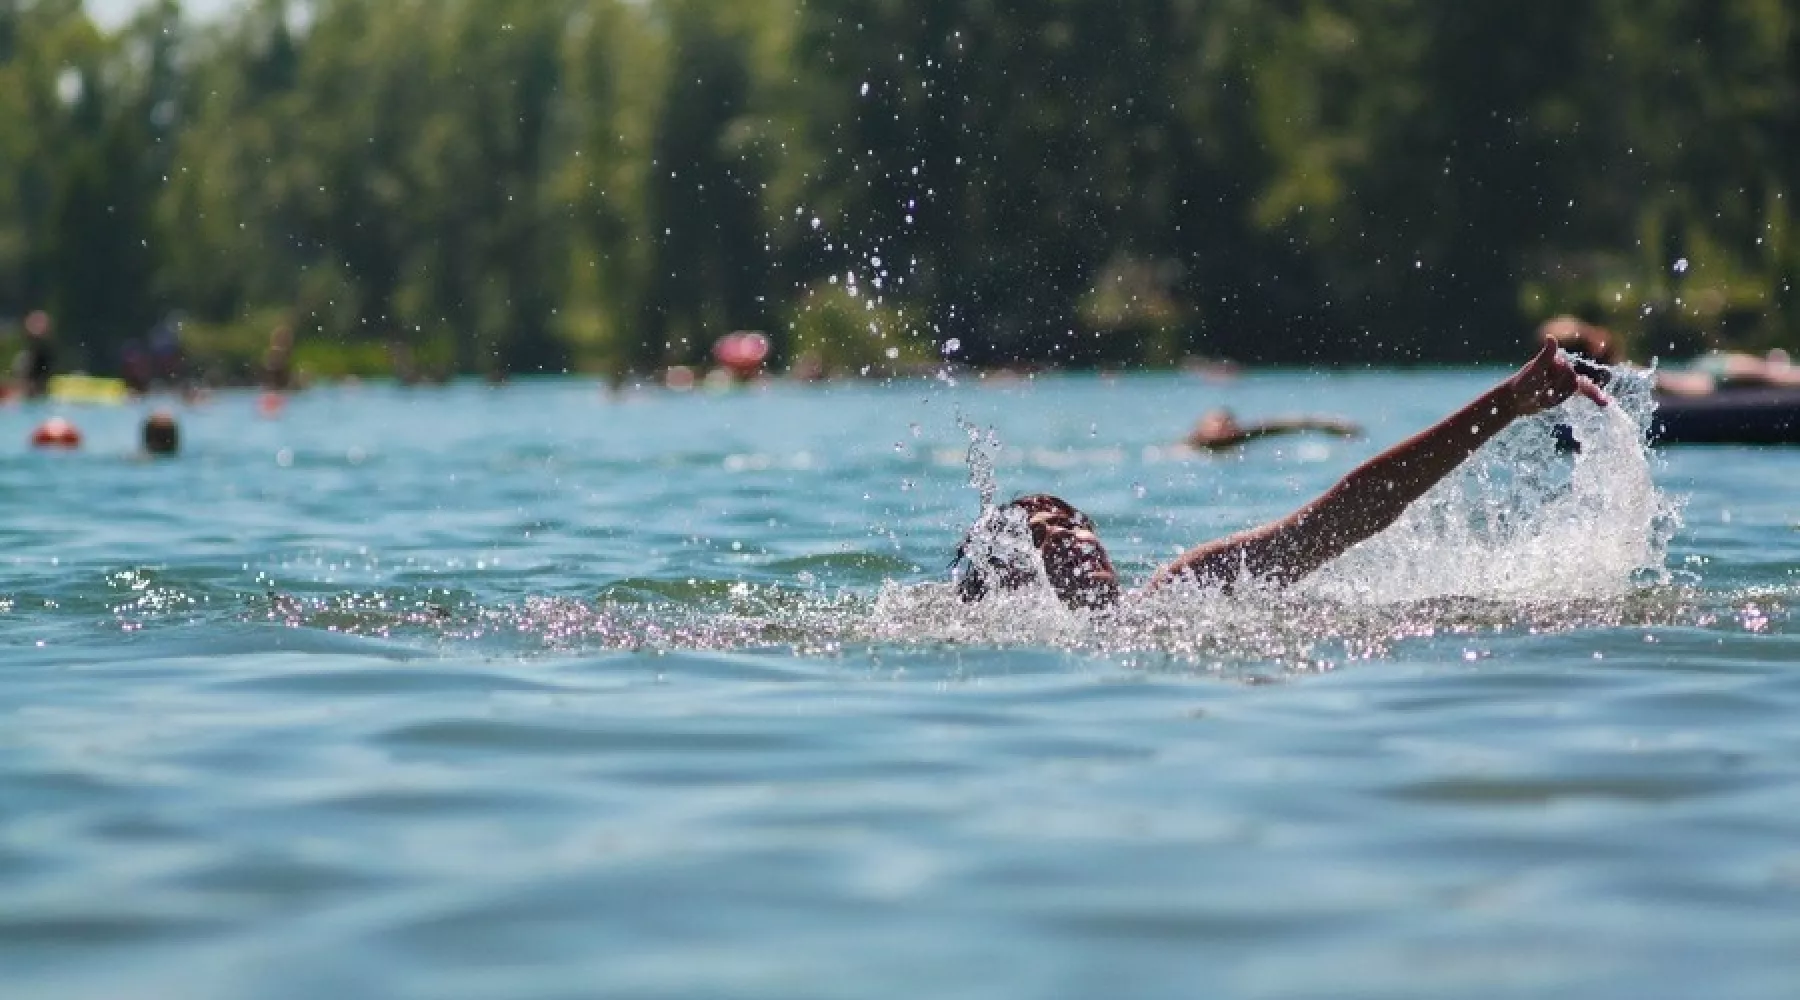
[(492, 186)]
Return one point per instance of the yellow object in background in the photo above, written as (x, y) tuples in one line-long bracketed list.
[(88, 389)]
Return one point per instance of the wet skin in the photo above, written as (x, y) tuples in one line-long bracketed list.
[(1074, 560), (1367, 500)]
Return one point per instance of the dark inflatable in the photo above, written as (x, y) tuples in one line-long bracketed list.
[(1729, 416)]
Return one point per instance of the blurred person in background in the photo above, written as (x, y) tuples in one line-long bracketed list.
[(36, 361), (1219, 430), (1711, 372), (278, 360), (162, 436)]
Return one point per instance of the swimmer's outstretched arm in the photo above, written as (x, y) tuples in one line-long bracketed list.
[(1219, 431), (1297, 425), (1373, 495)]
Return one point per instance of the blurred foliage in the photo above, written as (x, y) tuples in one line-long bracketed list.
[(535, 185), (843, 331)]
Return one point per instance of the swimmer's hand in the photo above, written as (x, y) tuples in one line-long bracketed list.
[(1547, 380), (1074, 560)]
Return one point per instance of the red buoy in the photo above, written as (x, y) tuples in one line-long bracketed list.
[(742, 352), (56, 433)]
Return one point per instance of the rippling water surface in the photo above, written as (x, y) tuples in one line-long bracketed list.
[(535, 693)]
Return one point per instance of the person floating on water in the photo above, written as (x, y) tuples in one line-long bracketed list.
[(1219, 430), (1363, 503), (1710, 373)]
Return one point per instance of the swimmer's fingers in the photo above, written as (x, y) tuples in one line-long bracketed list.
[(1570, 381), (1586, 387), (1546, 354), (1548, 379)]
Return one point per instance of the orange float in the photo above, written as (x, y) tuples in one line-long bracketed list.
[(56, 433)]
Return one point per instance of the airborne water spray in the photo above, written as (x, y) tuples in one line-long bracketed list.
[(1524, 520)]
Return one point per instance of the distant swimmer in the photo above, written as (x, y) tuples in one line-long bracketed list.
[(1577, 336), (278, 360), (1363, 503), (162, 436), (1709, 373), (1731, 370), (1219, 430), (37, 359)]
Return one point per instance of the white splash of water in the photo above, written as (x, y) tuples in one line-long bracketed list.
[(1520, 521), (1522, 538), (984, 452), (1000, 536), (1523, 534)]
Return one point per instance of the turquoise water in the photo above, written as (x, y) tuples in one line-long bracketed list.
[(535, 693)]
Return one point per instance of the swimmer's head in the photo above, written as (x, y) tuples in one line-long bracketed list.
[(1577, 337), (161, 435), (1064, 539)]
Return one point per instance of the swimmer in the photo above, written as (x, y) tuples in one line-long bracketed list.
[(161, 434), (1596, 343), (1711, 372), (278, 360), (37, 360), (1731, 370), (1220, 431), (1367, 500)]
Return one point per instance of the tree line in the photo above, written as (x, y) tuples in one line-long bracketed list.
[(541, 185)]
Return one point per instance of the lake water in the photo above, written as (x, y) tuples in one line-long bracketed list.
[(531, 692)]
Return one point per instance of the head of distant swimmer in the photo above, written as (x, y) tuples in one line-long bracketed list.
[(1075, 562), (1579, 337), (161, 435)]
